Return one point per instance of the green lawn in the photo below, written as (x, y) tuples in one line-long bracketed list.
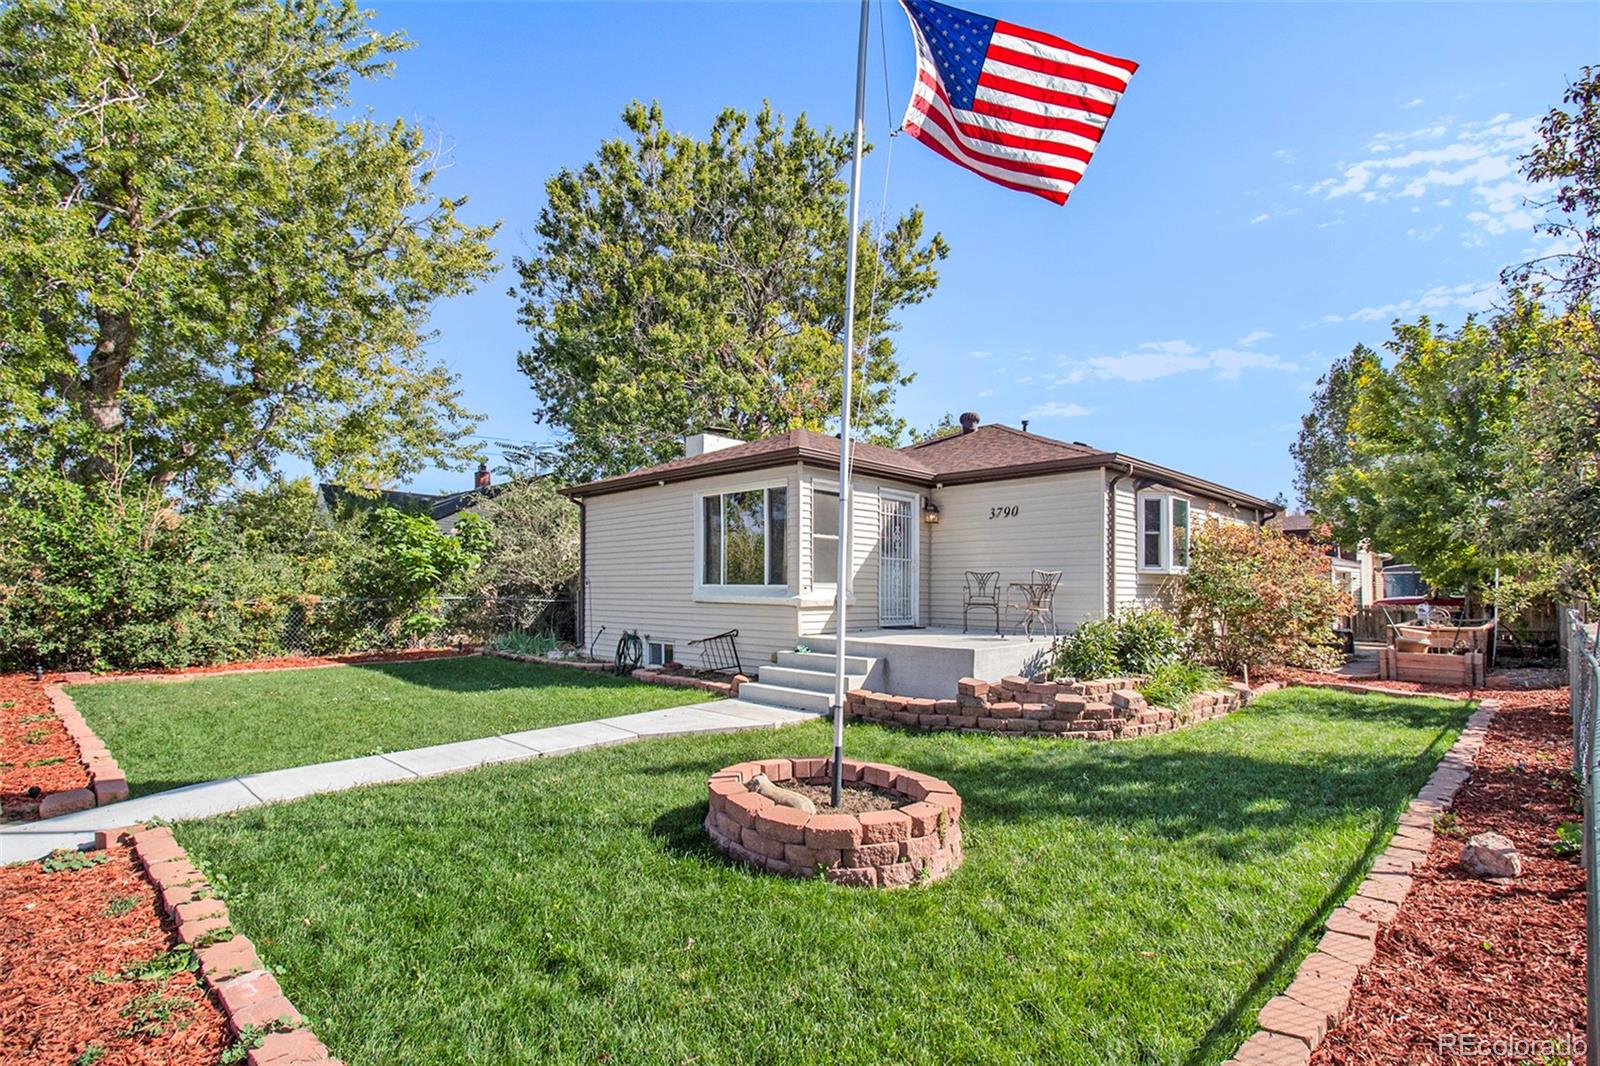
[(1120, 903), (166, 734)]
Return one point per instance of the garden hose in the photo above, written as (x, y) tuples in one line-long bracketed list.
[(630, 653)]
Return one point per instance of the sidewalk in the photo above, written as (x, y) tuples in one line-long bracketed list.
[(32, 840)]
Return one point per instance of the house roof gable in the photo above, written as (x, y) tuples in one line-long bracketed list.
[(988, 453)]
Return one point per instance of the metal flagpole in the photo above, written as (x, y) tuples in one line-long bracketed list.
[(842, 578)]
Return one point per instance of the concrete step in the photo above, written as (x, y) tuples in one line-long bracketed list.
[(800, 699), (813, 680), (823, 661)]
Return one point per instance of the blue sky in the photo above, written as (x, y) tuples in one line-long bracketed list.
[(1278, 183)]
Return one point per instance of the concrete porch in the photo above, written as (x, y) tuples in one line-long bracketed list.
[(908, 662)]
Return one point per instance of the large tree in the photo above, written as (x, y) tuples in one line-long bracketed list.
[(203, 264), (1474, 451), (1566, 161), (1323, 445), (679, 282)]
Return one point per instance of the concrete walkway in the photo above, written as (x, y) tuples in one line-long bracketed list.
[(31, 840)]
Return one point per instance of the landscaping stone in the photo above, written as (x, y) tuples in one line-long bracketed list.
[(1490, 855), (1098, 710), (56, 803), (914, 844), (1293, 1018)]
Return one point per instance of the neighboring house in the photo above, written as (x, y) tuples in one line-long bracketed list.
[(1357, 572), (444, 508), (744, 535)]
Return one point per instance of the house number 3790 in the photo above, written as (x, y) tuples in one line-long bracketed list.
[(1009, 511)]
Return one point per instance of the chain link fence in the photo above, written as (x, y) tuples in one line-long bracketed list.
[(1583, 675), (311, 625)]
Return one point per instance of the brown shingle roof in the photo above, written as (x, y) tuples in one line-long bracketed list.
[(797, 445), (989, 453), (991, 448)]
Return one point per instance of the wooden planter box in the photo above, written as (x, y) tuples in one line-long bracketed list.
[(1435, 668)]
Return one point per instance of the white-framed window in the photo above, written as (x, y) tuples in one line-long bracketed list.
[(744, 538), (1163, 532), (657, 652), (824, 535)]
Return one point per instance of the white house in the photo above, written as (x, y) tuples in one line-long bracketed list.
[(744, 535)]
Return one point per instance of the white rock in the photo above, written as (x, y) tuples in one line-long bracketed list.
[(1491, 855)]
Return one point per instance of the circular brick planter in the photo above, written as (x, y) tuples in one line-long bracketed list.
[(916, 843)]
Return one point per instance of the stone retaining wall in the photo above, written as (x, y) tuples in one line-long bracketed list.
[(1103, 709), (914, 844)]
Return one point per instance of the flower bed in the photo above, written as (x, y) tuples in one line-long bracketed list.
[(916, 842), (1103, 709)]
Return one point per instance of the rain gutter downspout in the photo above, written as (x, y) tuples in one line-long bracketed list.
[(1111, 540)]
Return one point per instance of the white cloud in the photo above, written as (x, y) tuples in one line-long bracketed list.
[(1409, 104), (1472, 296), (980, 354), (1161, 359), (1285, 155), (1260, 218), (1482, 158), (1057, 410), (1253, 337)]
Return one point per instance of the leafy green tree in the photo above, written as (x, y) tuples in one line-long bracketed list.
[(1567, 161), (947, 426), (1323, 445), (412, 564), (1548, 525), (1425, 434), (1478, 451), (203, 264), (534, 540), (681, 282)]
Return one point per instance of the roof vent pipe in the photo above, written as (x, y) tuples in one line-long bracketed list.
[(969, 421), (1024, 425)]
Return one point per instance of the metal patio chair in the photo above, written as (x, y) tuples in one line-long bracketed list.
[(982, 592), (1038, 600)]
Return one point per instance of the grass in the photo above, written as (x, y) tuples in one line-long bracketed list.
[(167, 734), (1119, 903)]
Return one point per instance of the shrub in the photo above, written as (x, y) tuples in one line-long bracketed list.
[(1254, 597), (1171, 684), (1136, 640)]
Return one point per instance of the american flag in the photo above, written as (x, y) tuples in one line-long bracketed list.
[(1022, 108)]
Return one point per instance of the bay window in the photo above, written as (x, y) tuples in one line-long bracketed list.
[(1163, 532), (743, 538)]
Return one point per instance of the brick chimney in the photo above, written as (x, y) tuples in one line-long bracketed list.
[(480, 480), (969, 421)]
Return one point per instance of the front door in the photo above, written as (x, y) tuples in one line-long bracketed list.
[(897, 560)]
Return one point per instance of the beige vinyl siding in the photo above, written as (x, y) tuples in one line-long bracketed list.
[(1134, 585), (1059, 525), (640, 566), (817, 612)]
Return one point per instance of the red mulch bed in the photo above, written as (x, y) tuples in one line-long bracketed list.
[(1467, 956), (56, 935), (27, 738)]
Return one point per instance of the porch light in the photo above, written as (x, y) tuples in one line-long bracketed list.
[(930, 512)]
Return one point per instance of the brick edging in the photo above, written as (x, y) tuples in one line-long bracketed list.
[(107, 782), (239, 983), (1292, 1025)]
